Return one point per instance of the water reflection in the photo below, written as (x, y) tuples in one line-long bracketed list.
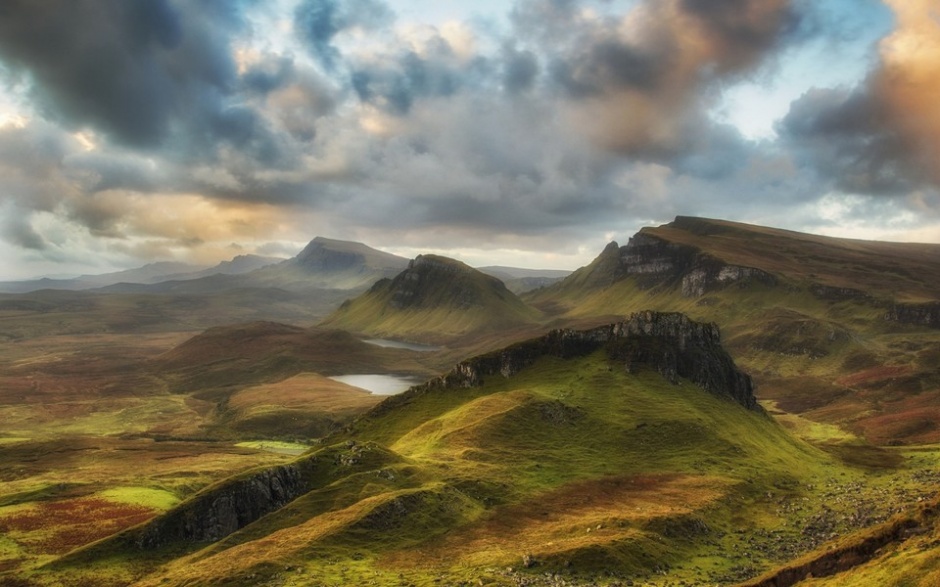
[(378, 384)]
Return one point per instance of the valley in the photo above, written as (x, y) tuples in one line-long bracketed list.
[(712, 404)]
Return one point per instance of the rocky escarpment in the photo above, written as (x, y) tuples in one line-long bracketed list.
[(918, 314), (228, 506), (213, 515), (654, 262), (670, 343)]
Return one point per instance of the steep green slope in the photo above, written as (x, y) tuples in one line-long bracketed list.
[(435, 300), (827, 326), (617, 453)]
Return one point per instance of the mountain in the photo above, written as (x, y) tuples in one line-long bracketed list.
[(619, 452), (519, 280), (324, 264), (702, 255), (435, 300), (330, 264), (237, 266), (816, 319), (150, 273)]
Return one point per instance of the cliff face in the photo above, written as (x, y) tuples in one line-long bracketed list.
[(654, 262), (670, 343), (658, 262), (215, 514)]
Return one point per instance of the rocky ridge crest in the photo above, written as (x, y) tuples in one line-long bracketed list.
[(668, 342)]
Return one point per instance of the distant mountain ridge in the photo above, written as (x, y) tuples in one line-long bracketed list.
[(700, 255), (323, 264)]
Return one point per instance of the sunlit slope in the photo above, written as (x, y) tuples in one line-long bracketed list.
[(827, 326), (904, 551), (565, 454), (435, 300)]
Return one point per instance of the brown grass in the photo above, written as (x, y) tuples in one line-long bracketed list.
[(575, 516), (60, 526), (309, 391)]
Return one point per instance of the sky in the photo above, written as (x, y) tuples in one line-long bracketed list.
[(527, 133)]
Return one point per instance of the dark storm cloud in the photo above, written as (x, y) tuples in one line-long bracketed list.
[(319, 21), (847, 137), (520, 70), (269, 74), (150, 74), (394, 86), (883, 136), (94, 62), (742, 31), (642, 85)]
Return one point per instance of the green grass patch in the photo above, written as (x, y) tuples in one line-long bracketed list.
[(276, 446), (156, 499)]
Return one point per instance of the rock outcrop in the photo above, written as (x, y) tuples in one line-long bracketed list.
[(215, 514), (670, 343), (918, 314), (654, 262)]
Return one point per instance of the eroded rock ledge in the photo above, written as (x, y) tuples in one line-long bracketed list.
[(670, 343)]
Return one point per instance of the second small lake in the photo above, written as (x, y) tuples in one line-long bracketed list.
[(397, 344), (378, 384)]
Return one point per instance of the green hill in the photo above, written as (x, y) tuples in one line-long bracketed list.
[(613, 454), (434, 300), (819, 321)]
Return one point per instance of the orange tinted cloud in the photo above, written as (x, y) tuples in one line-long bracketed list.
[(908, 83), (649, 80)]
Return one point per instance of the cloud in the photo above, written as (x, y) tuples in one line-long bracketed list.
[(883, 136), (520, 69), (318, 22), (642, 84), (165, 127)]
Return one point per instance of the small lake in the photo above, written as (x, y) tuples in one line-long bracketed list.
[(397, 344), (378, 384)]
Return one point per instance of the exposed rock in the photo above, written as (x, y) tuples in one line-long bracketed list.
[(838, 294), (670, 343), (919, 314), (215, 514), (654, 262)]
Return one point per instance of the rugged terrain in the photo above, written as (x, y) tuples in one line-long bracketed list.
[(620, 447), (836, 330), (636, 448)]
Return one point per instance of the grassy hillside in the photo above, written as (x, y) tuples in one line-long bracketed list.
[(575, 466), (435, 300), (809, 324)]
